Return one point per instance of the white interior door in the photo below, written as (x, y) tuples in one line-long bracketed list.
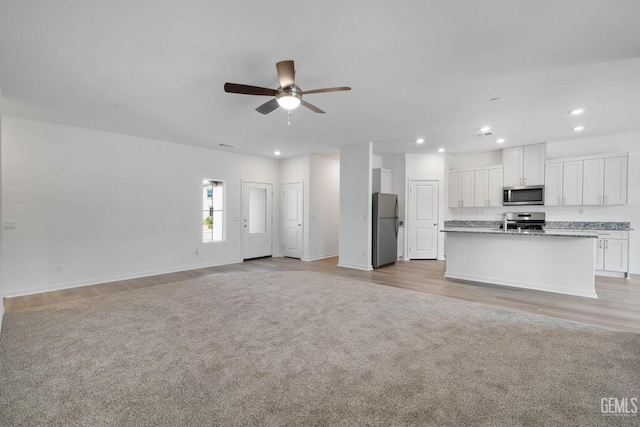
[(423, 220), (257, 199), (292, 208)]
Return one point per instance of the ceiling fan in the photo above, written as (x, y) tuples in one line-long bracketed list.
[(287, 96)]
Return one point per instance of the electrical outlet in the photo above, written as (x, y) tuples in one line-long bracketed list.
[(581, 211), (58, 269)]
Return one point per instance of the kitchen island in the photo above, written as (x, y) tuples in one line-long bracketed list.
[(553, 262)]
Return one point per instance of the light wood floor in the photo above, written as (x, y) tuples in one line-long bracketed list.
[(617, 306)]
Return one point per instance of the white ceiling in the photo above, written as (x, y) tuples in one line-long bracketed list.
[(156, 68)]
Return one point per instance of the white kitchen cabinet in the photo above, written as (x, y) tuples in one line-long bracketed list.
[(615, 180), (382, 181), (612, 253), (605, 181), (524, 165), (488, 187), (572, 183), (553, 183), (461, 189), (512, 164), (495, 187), (593, 182), (563, 183), (481, 188)]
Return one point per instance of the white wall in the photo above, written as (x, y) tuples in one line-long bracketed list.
[(477, 160), (1, 224), (593, 146), (106, 207), (324, 207), (355, 206), (429, 167)]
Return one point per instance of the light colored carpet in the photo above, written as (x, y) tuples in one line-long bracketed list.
[(299, 348)]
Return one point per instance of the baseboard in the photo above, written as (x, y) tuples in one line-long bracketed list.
[(520, 285), (98, 281), (355, 266), (319, 257), (611, 274)]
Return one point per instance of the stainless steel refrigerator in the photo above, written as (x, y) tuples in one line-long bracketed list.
[(385, 229)]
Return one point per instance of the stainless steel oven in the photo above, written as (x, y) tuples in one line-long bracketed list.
[(525, 195)]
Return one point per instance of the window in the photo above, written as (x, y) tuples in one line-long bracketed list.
[(212, 210)]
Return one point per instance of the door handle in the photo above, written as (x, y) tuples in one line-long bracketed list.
[(299, 225)]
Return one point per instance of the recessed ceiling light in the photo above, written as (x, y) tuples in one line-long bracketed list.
[(485, 129), (440, 150), (277, 153), (420, 140), (500, 141), (578, 128), (577, 111)]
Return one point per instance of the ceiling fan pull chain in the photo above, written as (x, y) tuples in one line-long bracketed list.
[(289, 118)]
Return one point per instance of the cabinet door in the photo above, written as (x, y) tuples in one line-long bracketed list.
[(616, 255), (533, 164), (572, 183), (615, 181), (495, 187), (455, 188), (553, 184), (593, 182), (386, 182), (481, 188), (467, 189), (512, 166), (599, 254)]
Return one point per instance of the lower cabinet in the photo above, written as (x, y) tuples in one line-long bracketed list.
[(612, 253)]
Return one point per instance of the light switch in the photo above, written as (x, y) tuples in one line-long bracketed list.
[(9, 225)]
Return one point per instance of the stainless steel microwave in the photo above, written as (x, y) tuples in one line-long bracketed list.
[(525, 195)]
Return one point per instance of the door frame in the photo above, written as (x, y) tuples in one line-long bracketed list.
[(243, 214), (303, 227), (406, 224)]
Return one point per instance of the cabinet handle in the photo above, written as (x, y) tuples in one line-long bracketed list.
[(462, 203), (564, 199), (605, 200), (600, 243), (524, 181), (606, 244)]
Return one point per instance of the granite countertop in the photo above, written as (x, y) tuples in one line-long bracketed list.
[(552, 225), (480, 230)]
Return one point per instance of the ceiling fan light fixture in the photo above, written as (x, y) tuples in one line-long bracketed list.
[(289, 98)]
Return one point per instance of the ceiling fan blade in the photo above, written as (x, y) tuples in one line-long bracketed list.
[(248, 90), (286, 73), (328, 89), (268, 106), (311, 106)]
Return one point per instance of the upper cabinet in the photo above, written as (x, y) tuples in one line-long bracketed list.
[(563, 183), (475, 188), (524, 165), (461, 191), (615, 180), (587, 181), (382, 181)]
